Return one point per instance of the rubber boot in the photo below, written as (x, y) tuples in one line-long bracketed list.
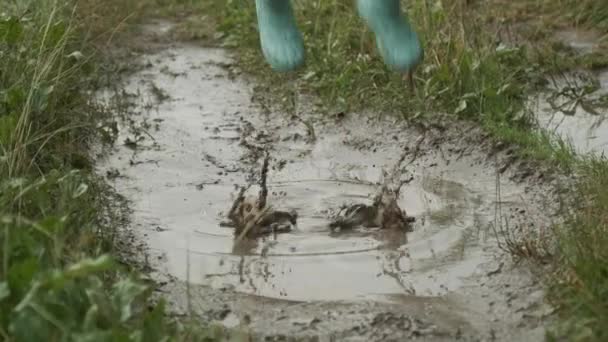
[(282, 43), (397, 41)]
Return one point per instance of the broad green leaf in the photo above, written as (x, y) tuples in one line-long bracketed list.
[(90, 266), (136, 336), (14, 98), (124, 293), (90, 318), (20, 275), (93, 336), (40, 98), (462, 106), (5, 291), (82, 188), (154, 323), (27, 325), (11, 30), (8, 124), (81, 269), (52, 225), (57, 33)]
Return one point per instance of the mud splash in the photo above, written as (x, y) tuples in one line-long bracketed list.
[(180, 165)]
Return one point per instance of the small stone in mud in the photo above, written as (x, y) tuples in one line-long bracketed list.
[(112, 174), (293, 137), (227, 288), (225, 311), (281, 164), (130, 143)]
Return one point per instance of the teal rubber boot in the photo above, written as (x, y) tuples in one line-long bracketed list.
[(397, 41), (282, 43)]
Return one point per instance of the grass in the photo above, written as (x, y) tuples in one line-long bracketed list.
[(58, 279), (475, 69), (579, 286)]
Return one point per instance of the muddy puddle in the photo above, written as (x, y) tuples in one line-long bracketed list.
[(575, 107), (184, 149), (576, 115)]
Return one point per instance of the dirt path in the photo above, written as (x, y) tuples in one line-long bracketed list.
[(189, 143)]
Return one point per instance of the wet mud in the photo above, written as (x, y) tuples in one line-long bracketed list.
[(193, 135)]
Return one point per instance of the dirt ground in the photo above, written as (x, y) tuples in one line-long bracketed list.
[(194, 132)]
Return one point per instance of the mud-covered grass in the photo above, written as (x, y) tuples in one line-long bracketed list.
[(483, 60), (59, 277)]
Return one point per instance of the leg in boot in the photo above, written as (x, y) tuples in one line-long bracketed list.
[(397, 42), (281, 41)]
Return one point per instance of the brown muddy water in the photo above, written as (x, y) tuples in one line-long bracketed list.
[(184, 147)]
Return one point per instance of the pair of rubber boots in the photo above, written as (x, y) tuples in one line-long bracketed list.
[(283, 47)]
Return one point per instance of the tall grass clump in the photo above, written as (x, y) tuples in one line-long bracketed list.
[(58, 281), (579, 287)]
